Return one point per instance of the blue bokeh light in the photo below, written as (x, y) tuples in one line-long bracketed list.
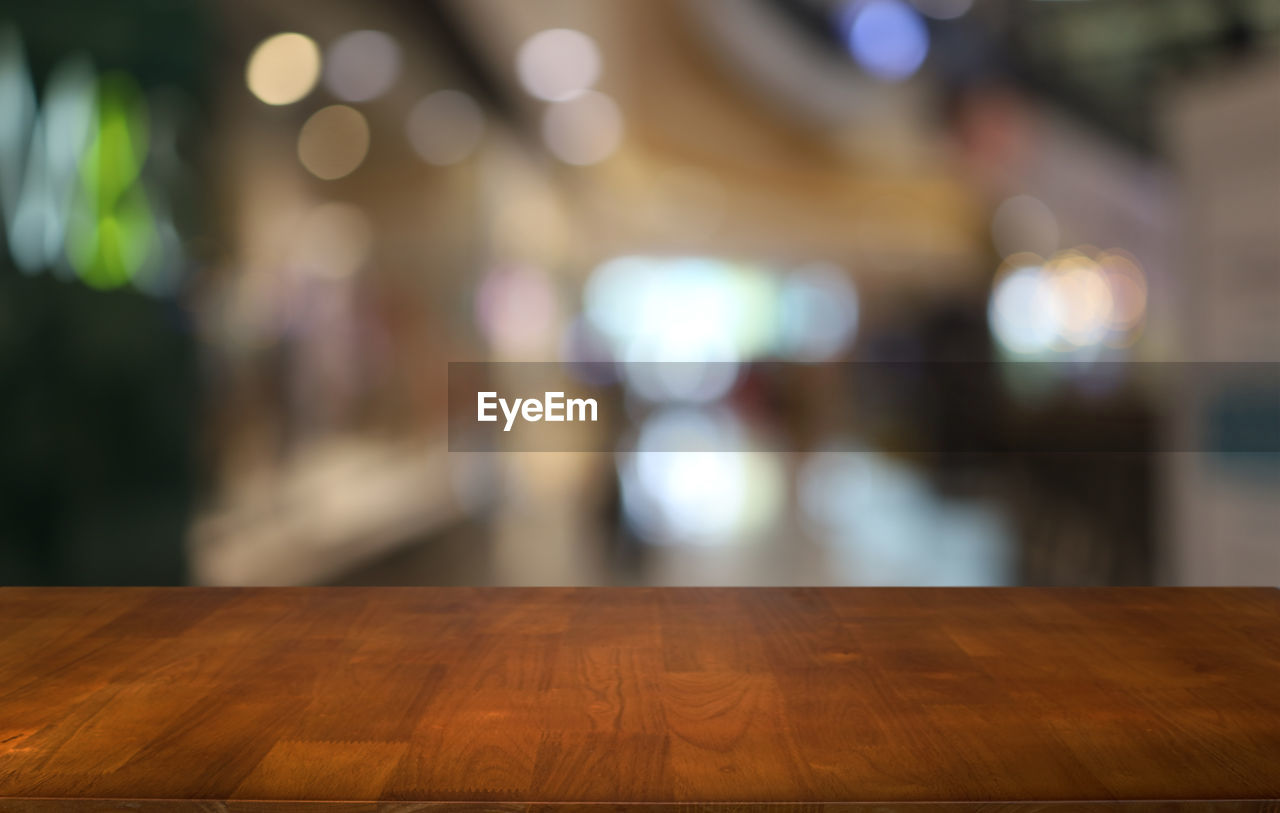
[(888, 38)]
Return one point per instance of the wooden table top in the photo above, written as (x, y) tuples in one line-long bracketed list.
[(558, 697)]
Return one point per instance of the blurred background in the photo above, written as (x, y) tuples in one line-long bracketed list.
[(241, 242)]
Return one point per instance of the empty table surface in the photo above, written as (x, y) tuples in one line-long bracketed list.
[(743, 699)]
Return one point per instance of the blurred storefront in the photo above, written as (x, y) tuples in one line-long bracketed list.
[(244, 241)]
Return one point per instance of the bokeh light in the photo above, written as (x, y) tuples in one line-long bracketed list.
[(333, 142), (584, 130), (361, 65), (658, 374), (58, 141), (1024, 313), (682, 308), (516, 310), (1071, 303), (693, 479), (885, 525), (334, 240), (1083, 297), (113, 229), (558, 64), (283, 68), (749, 226), (887, 38), (1128, 286), (711, 314), (445, 127), (82, 175), (817, 313)]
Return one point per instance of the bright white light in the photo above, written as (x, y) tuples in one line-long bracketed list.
[(673, 321), (333, 142), (616, 293), (679, 342), (887, 38), (817, 313), (586, 129), (683, 309), (283, 68), (1024, 312), (445, 127), (1024, 223), (361, 65), (692, 480), (689, 314), (558, 64)]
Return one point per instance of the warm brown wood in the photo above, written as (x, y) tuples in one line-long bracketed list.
[(737, 698)]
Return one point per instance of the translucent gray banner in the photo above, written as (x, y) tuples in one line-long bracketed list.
[(910, 407)]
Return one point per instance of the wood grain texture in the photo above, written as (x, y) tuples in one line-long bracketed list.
[(737, 700)]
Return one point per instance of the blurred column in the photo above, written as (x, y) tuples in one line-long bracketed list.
[(1222, 515)]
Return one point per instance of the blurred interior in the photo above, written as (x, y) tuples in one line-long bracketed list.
[(243, 240)]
